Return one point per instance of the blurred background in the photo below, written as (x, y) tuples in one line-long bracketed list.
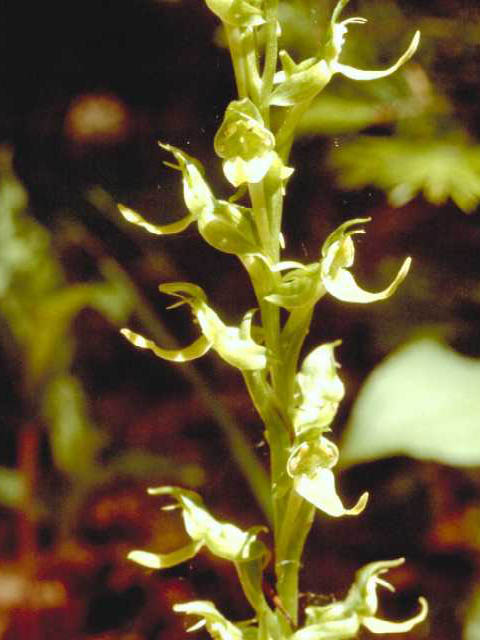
[(87, 422)]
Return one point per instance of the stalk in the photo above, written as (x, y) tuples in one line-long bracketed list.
[(292, 516)]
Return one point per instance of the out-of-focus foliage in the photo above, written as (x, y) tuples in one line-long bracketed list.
[(36, 303), (403, 168), (423, 402), (426, 147), (471, 630), (37, 307)]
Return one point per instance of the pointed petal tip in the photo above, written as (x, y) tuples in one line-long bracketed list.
[(360, 505), (377, 625), (144, 558)]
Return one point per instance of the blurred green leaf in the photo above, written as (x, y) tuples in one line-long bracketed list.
[(47, 344), (471, 630), (140, 464), (440, 169), (423, 402), (12, 488), (74, 441), (332, 115)]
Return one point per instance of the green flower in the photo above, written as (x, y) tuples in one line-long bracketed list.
[(224, 225), (319, 392), (310, 466), (338, 253), (246, 145), (223, 539), (302, 82), (343, 619), (234, 344), (306, 284)]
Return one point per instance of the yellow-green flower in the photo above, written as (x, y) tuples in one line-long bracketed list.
[(319, 390), (318, 394), (301, 82), (223, 539), (306, 284), (245, 144), (310, 465), (226, 226), (234, 344), (343, 619), (338, 253)]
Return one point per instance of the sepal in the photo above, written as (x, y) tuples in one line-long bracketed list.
[(319, 390), (299, 83), (165, 560), (318, 488), (216, 624)]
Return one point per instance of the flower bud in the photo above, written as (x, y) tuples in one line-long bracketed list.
[(244, 143), (238, 13)]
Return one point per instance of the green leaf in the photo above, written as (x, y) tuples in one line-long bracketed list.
[(404, 168), (423, 402), (332, 115), (12, 488), (74, 441)]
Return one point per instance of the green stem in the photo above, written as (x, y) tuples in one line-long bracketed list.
[(296, 524), (254, 82), (271, 53), (234, 39), (286, 132), (261, 217)]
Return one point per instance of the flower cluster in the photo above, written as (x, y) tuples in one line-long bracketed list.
[(298, 406)]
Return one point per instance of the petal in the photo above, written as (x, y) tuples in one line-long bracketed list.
[(165, 560), (362, 74), (319, 490), (196, 192), (195, 350), (229, 343), (343, 286), (238, 171), (174, 227), (217, 625), (347, 627), (377, 625)]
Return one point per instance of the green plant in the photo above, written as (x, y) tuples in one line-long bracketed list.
[(297, 403)]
